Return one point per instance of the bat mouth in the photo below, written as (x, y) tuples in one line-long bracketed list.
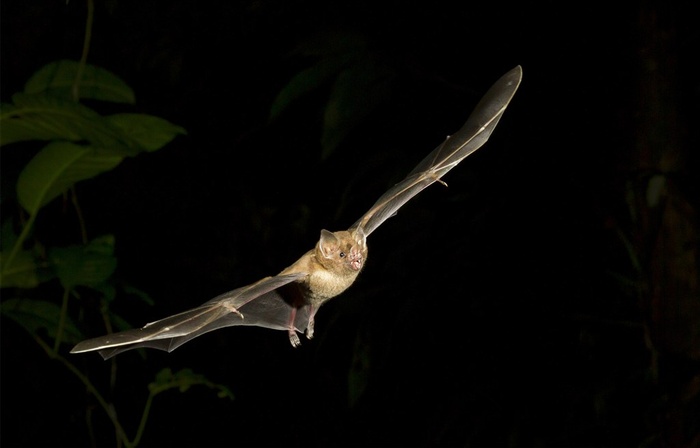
[(356, 264)]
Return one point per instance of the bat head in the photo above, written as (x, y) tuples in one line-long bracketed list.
[(344, 251)]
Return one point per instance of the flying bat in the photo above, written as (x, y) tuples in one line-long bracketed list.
[(289, 300)]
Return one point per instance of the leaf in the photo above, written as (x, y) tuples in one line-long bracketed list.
[(89, 265), (7, 235), (119, 322), (183, 380), (356, 92), (36, 314), (41, 117), (306, 81), (362, 81), (22, 273), (107, 289), (140, 294), (56, 168), (103, 245), (44, 117), (148, 131), (57, 78)]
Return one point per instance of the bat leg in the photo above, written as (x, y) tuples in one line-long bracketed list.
[(310, 325), (293, 337)]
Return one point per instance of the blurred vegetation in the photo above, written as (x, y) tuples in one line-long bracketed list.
[(49, 288)]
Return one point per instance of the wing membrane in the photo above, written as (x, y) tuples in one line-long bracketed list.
[(464, 142), (259, 304)]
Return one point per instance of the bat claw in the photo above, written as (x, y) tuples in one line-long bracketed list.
[(233, 309), (437, 178)]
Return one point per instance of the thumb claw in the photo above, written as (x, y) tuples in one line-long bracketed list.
[(233, 309)]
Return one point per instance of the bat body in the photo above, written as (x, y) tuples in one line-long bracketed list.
[(289, 301)]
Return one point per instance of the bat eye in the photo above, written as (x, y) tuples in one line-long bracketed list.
[(342, 255)]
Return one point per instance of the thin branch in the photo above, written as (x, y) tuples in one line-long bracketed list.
[(75, 90), (79, 214), (61, 320), (19, 243), (90, 387)]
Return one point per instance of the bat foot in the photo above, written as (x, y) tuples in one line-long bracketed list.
[(310, 329), (294, 339)]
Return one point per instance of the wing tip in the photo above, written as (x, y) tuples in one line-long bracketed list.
[(80, 348), (517, 74)]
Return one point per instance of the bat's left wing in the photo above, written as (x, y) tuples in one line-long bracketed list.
[(464, 142), (269, 303)]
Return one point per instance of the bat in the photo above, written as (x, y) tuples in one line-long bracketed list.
[(289, 300)]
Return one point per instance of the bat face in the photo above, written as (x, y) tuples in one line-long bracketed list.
[(290, 300), (344, 251)]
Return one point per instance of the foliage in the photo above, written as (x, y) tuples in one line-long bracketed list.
[(360, 81), (41, 282)]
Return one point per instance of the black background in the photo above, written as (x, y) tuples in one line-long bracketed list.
[(489, 313)]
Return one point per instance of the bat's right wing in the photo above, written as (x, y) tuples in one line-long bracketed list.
[(464, 142), (271, 303)]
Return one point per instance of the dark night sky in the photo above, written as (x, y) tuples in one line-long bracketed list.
[(489, 314)]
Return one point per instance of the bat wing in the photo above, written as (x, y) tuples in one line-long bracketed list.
[(453, 150), (277, 302), (270, 303)]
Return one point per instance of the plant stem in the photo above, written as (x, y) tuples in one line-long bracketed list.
[(19, 243), (61, 320), (90, 387), (86, 47), (79, 213), (144, 417), (108, 327)]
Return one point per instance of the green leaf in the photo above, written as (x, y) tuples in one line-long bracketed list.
[(148, 131), (107, 289), (356, 92), (40, 117), (36, 314), (362, 81), (56, 168), (7, 235), (89, 265), (22, 273), (97, 83), (183, 380), (44, 117), (140, 294), (306, 81), (119, 322)]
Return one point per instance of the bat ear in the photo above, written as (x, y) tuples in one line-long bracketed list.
[(328, 240)]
